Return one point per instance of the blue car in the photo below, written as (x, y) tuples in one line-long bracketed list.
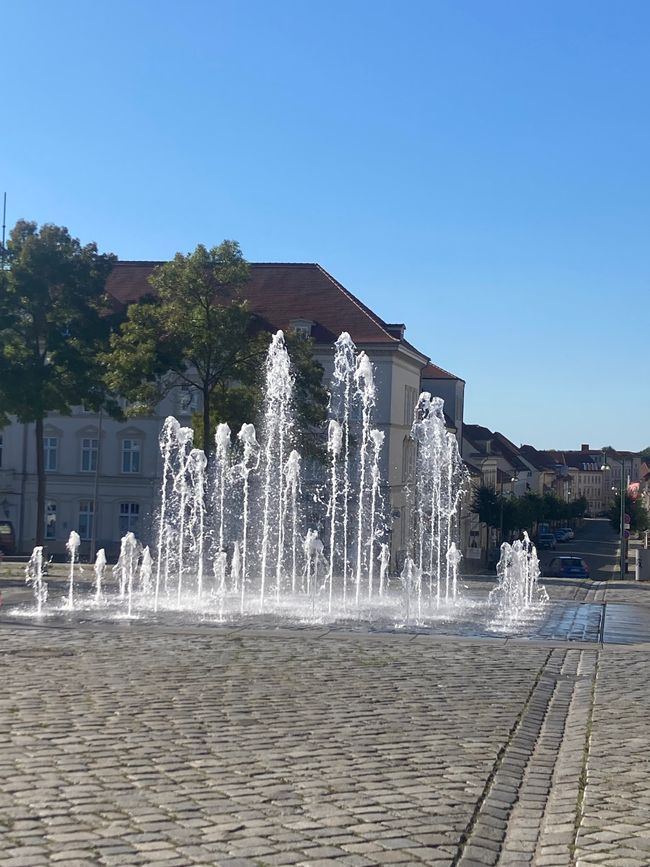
[(568, 567)]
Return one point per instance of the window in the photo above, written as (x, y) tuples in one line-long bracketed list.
[(50, 451), (129, 515), (86, 518), (410, 400), (301, 326), (408, 460), (130, 456), (50, 520), (88, 455)]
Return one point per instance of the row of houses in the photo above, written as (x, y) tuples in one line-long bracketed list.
[(103, 476)]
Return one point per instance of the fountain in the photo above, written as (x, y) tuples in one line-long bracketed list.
[(126, 567), (440, 483), (72, 546), (34, 576), (518, 590), (259, 532), (99, 569)]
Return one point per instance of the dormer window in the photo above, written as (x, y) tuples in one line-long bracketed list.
[(301, 326)]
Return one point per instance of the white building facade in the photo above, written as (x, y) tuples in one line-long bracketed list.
[(103, 476)]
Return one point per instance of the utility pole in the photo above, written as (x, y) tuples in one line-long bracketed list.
[(4, 227), (622, 521)]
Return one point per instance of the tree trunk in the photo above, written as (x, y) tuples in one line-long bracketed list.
[(40, 483), (207, 434)]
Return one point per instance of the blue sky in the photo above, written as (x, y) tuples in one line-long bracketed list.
[(478, 170)]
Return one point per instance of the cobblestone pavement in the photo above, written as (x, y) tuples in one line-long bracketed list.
[(145, 745)]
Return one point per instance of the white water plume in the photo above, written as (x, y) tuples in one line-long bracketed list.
[(439, 484), (260, 530), (99, 568), (72, 546), (34, 576)]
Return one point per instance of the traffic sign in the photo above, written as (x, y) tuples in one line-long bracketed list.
[(627, 534), (627, 519)]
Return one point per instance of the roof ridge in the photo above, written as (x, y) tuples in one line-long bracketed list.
[(139, 262), (444, 370), (376, 320), (264, 264), (287, 264)]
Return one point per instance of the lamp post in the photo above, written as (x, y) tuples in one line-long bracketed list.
[(622, 522), (621, 528)]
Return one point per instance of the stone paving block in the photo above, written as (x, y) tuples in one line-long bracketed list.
[(264, 766)]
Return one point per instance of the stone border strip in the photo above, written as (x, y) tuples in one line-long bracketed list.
[(483, 838), (563, 811), (525, 821)]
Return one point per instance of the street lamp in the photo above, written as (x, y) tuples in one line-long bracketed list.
[(621, 529), (622, 526)]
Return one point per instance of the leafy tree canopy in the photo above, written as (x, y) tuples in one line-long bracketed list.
[(54, 324), (640, 520), (521, 513), (195, 329), (241, 402)]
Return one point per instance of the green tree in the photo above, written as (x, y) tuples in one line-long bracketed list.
[(240, 402), (639, 518), (54, 324), (487, 505), (577, 508), (196, 330)]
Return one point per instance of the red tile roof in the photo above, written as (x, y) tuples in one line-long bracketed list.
[(282, 292), (432, 371)]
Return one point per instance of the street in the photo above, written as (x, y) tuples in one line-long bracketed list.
[(596, 543)]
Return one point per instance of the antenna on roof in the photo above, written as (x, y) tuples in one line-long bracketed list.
[(4, 221)]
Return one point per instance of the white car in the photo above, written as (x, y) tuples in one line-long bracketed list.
[(568, 533)]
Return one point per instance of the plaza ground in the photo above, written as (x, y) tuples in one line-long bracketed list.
[(253, 745)]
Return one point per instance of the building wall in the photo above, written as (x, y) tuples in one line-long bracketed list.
[(452, 391), (589, 484), (72, 478), (71, 484)]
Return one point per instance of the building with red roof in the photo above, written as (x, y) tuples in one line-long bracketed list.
[(88, 454)]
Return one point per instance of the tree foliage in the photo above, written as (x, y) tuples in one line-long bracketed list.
[(522, 513), (54, 324), (241, 402), (196, 330), (639, 518)]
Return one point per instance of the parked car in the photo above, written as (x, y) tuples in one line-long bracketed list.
[(568, 567), (569, 533), (546, 540), (7, 538)]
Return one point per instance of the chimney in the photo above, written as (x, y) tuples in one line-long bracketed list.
[(584, 447)]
